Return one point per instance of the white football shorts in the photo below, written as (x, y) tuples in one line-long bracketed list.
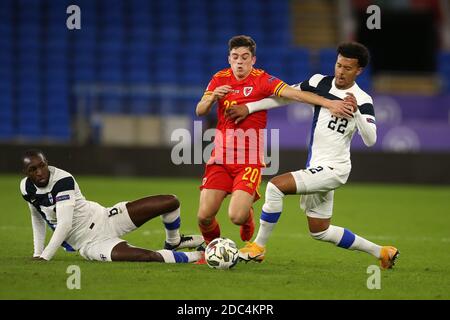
[(107, 226), (317, 185)]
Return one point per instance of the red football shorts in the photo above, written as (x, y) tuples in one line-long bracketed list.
[(245, 177)]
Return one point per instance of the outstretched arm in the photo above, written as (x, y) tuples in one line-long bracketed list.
[(240, 112), (39, 230), (64, 216), (337, 107)]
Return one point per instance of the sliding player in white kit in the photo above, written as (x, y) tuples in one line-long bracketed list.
[(328, 166), (54, 198)]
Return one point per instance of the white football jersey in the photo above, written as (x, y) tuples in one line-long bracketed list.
[(61, 187), (331, 136)]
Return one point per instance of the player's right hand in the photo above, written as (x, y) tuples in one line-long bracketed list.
[(237, 113), (221, 91), (340, 108)]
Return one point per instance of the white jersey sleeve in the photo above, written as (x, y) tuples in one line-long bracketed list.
[(270, 103), (366, 127), (65, 206), (39, 231), (64, 216)]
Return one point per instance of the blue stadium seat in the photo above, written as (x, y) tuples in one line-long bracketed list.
[(111, 103), (6, 129), (443, 67), (57, 113), (56, 90), (84, 58), (192, 77), (327, 60), (221, 35), (6, 5), (138, 60), (84, 74), (141, 19), (6, 30), (29, 44), (139, 5), (56, 65), (364, 80), (166, 8), (217, 59), (58, 6), (112, 34), (85, 38), (30, 122), (6, 72), (277, 37), (6, 104), (196, 16), (252, 8), (55, 80), (111, 73), (138, 74), (169, 34), (60, 131), (140, 105), (56, 44), (28, 89), (187, 105), (165, 75), (195, 36), (298, 66)]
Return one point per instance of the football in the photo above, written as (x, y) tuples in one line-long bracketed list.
[(221, 253)]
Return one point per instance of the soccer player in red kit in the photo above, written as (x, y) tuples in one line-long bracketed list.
[(236, 161)]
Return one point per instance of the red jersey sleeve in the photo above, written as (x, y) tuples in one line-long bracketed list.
[(216, 81), (213, 84), (271, 84)]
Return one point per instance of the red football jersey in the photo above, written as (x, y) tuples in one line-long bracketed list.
[(232, 144)]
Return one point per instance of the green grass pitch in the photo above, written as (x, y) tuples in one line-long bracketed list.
[(416, 219)]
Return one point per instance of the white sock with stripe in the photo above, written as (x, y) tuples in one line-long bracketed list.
[(346, 239), (172, 223), (270, 214), (170, 256)]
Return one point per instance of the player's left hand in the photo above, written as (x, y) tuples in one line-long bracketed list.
[(350, 100), (237, 113)]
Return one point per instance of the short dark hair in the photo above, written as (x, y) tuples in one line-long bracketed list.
[(33, 153), (242, 41), (355, 50)]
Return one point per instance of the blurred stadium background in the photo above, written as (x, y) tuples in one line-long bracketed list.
[(119, 86)]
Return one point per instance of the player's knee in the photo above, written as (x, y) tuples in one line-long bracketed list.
[(205, 218), (238, 216), (206, 213), (274, 199), (276, 181), (273, 192), (173, 201)]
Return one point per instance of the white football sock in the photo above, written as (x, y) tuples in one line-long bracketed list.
[(270, 214), (344, 238), (170, 256), (172, 223)]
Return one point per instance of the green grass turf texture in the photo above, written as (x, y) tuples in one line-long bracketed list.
[(416, 219)]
